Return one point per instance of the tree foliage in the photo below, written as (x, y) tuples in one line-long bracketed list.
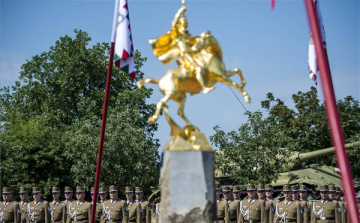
[(305, 128), (51, 120)]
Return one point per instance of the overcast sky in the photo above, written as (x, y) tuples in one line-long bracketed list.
[(269, 46)]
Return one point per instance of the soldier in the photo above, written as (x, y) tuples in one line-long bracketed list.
[(287, 210), (305, 205), (57, 207), (223, 209), (295, 192), (38, 210), (9, 210), (332, 192), (134, 208), (79, 210), (114, 210), (99, 206), (103, 194), (218, 193), (325, 211), (145, 208), (341, 204), (234, 205), (260, 190), (269, 191), (68, 194), (23, 194), (252, 209)]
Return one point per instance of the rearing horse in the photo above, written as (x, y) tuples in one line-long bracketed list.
[(177, 82)]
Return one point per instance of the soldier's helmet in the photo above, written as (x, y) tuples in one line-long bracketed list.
[(68, 189), (36, 190), (138, 190), (236, 189), (286, 188), (250, 187), (80, 189), (55, 190), (269, 187), (129, 190), (23, 190), (7, 190), (113, 188)]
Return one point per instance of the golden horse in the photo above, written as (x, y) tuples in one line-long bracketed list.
[(177, 82)]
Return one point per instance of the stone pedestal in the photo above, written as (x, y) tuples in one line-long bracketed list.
[(187, 182)]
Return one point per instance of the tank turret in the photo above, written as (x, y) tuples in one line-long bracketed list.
[(296, 158)]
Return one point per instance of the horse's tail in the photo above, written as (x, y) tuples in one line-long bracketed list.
[(141, 83)]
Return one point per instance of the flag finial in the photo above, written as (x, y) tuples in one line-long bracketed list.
[(183, 2)]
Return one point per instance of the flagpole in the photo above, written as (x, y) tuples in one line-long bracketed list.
[(332, 112), (104, 116)]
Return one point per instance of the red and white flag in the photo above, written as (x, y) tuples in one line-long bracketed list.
[(121, 35), (313, 70)]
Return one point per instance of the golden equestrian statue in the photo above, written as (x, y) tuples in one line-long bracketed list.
[(200, 66)]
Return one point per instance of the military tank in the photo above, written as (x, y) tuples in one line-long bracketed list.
[(294, 171)]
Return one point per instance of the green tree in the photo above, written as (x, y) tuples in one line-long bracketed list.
[(60, 92), (304, 129)]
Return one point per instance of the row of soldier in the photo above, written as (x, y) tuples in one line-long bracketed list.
[(295, 207), (113, 210)]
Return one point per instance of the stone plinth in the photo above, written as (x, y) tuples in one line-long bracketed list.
[(187, 183)]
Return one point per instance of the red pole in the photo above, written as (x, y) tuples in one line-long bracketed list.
[(332, 112), (102, 133)]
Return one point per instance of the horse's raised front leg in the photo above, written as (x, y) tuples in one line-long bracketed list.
[(181, 103), (237, 71), (152, 119), (227, 81)]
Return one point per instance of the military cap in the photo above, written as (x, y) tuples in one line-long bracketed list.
[(260, 187), (68, 189), (250, 187), (7, 190), (138, 190), (226, 189), (324, 187), (218, 187), (303, 188), (129, 190), (102, 190), (36, 190), (286, 187), (338, 190), (80, 189), (294, 188), (23, 190), (113, 188), (332, 188), (236, 188), (55, 190), (269, 187)]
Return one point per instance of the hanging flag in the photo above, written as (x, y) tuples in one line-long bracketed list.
[(121, 36), (312, 64), (272, 4)]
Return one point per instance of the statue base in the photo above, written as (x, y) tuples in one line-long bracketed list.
[(187, 182)]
